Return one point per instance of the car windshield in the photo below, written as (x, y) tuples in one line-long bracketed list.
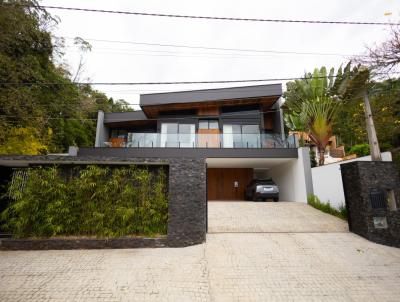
[(265, 182)]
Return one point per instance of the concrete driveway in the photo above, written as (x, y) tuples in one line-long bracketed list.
[(277, 217), (266, 266)]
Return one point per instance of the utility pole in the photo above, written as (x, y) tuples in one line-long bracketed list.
[(373, 139)]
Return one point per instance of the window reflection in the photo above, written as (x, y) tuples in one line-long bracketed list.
[(241, 136)]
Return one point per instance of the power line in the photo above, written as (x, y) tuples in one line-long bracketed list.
[(160, 53), (64, 106), (172, 82), (209, 17), (216, 48), (148, 83), (185, 55), (150, 119)]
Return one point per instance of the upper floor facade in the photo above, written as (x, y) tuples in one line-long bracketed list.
[(228, 118)]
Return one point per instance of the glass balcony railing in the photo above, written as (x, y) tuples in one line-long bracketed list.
[(226, 140)]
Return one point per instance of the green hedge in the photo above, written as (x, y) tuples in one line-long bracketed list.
[(91, 201), (314, 201)]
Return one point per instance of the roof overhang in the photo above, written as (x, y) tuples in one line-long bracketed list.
[(127, 119), (266, 95)]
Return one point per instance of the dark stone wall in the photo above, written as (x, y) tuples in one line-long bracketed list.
[(84, 243), (359, 178), (167, 153), (188, 202), (187, 188)]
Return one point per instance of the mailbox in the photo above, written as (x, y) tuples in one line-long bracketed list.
[(378, 198)]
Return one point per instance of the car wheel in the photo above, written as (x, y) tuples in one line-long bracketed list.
[(276, 199)]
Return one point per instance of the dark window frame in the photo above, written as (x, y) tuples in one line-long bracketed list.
[(208, 120)]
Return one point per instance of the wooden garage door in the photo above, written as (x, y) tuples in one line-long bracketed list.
[(221, 183)]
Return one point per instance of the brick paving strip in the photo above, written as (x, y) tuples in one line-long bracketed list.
[(263, 266)]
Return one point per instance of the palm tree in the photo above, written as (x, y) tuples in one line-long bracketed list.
[(317, 116), (312, 103)]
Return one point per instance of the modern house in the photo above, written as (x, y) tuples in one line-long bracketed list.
[(237, 131), (213, 143)]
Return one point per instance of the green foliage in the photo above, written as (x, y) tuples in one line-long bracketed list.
[(349, 87), (313, 161), (93, 201), (24, 141), (314, 201), (360, 150), (318, 84), (396, 158), (312, 104), (27, 55), (317, 116)]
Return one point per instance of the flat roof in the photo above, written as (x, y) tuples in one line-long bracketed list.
[(114, 117), (205, 95)]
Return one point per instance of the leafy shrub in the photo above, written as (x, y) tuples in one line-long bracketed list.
[(91, 201), (313, 161), (385, 146), (26, 141), (360, 150), (396, 158), (314, 201)]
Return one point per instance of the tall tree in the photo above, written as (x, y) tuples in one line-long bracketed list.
[(311, 105), (318, 116), (349, 85), (384, 57), (51, 117)]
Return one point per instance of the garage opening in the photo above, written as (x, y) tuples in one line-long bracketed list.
[(227, 178)]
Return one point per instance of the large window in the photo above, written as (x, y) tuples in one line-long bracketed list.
[(187, 136), (208, 124), (241, 136), (178, 135)]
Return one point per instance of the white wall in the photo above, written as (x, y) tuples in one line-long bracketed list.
[(294, 177), (327, 180), (101, 130)]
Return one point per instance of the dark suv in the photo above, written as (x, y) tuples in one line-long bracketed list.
[(262, 189)]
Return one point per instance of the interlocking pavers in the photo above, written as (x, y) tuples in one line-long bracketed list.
[(276, 266), (278, 217)]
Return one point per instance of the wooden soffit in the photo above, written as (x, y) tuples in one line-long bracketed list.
[(152, 111)]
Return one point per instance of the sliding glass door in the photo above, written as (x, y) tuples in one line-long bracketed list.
[(169, 135), (187, 135), (241, 136), (178, 135)]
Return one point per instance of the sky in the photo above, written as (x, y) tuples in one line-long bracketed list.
[(127, 62)]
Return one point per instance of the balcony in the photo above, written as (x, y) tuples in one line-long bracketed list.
[(218, 141)]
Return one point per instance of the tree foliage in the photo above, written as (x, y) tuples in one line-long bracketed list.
[(348, 87), (360, 150), (384, 57), (311, 105), (385, 103), (24, 141), (27, 52), (93, 201)]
